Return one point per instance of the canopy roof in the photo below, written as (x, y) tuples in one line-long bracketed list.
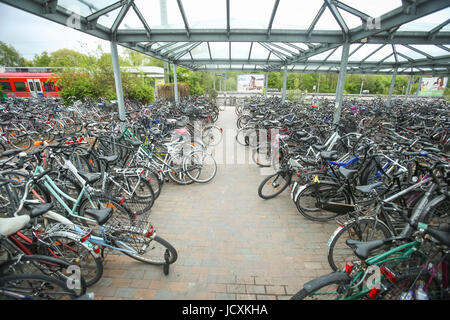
[(412, 36)]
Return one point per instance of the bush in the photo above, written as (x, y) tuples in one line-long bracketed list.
[(212, 94), (136, 90)]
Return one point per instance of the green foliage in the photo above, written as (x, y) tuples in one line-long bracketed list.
[(211, 93), (10, 57)]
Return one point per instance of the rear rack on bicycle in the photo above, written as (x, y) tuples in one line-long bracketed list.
[(354, 215), (79, 232)]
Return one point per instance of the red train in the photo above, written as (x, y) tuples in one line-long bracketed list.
[(28, 84)]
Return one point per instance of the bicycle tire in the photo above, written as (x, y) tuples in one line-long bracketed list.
[(272, 181), (9, 283), (328, 193), (200, 162), (131, 238), (343, 249)]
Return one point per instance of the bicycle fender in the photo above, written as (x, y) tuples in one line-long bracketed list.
[(334, 277)]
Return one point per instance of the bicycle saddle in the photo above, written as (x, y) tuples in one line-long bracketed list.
[(109, 159), (368, 188), (347, 173), (39, 209), (12, 152), (10, 226), (362, 249), (329, 155), (319, 147), (100, 215), (90, 177)]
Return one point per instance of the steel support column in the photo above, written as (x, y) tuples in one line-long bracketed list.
[(266, 84), (118, 82), (391, 88), (341, 82), (408, 88), (175, 83), (283, 93)]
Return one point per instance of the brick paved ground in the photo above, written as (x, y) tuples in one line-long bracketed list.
[(231, 243)]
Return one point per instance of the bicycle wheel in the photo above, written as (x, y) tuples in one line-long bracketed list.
[(142, 196), (200, 166), (176, 171), (76, 253), (273, 185), (329, 290), (212, 135), (34, 287), (262, 155), (317, 195), (366, 229), (156, 251)]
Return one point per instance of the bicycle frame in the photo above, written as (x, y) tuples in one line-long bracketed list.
[(59, 194)]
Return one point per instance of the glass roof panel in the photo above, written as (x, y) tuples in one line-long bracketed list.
[(205, 14), (161, 17), (431, 49), (327, 22), (381, 54), (201, 51), (131, 21), (240, 50), (108, 19), (219, 50), (374, 8), (85, 8), (337, 55), (409, 53), (295, 14), (250, 14), (259, 52), (428, 22), (351, 20)]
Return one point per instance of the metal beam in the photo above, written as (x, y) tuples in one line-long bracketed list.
[(123, 11), (272, 16), (175, 83), (183, 15), (314, 22), (266, 80), (364, 17), (118, 83), (142, 19), (397, 17), (283, 93), (341, 82), (337, 16), (276, 35), (391, 88), (432, 33), (104, 11), (418, 51), (228, 18)]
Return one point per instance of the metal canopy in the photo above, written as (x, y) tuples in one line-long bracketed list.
[(408, 36)]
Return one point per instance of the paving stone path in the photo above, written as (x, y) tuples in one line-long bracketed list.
[(232, 245)]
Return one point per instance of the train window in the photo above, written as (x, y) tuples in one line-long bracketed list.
[(20, 86), (5, 86), (30, 84), (38, 86), (49, 86)]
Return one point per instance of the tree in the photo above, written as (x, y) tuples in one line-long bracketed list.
[(42, 60), (10, 57)]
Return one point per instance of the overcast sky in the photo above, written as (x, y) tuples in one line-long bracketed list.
[(31, 35)]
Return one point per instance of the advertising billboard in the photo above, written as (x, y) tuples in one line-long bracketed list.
[(432, 86), (250, 82)]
